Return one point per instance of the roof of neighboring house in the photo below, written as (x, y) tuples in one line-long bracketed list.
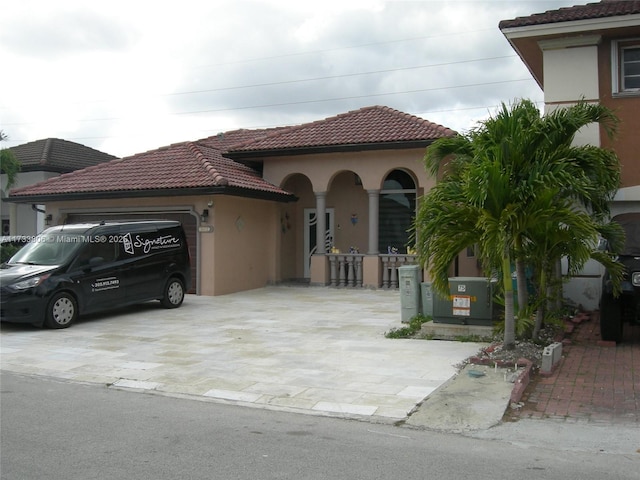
[(370, 127), (182, 168), (56, 155), (606, 8)]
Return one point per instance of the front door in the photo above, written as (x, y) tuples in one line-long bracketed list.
[(310, 243)]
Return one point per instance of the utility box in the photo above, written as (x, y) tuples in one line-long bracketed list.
[(409, 284), (427, 299), (470, 302)]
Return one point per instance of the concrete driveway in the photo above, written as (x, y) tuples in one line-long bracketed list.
[(305, 349)]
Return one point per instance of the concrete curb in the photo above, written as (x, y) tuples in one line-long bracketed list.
[(521, 382)]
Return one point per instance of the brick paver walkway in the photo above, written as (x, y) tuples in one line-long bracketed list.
[(594, 382)]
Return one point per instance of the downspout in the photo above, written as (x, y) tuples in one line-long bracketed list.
[(193, 213), (41, 218)]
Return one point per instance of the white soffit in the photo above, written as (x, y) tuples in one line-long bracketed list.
[(570, 42), (577, 26)]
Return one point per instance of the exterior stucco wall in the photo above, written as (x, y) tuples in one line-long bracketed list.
[(345, 178), (235, 255), (292, 227), (247, 242), (571, 74), (24, 220), (348, 199), (370, 166), (627, 108)]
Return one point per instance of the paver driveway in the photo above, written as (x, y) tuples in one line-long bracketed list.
[(306, 349)]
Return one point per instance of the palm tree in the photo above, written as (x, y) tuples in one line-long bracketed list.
[(506, 178), (9, 164), (559, 229), (471, 205)]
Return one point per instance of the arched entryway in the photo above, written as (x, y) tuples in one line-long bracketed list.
[(397, 212), (297, 229)]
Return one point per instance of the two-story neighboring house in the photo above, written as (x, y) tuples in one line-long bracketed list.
[(590, 52), (41, 160)]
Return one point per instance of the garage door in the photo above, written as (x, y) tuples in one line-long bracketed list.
[(188, 223)]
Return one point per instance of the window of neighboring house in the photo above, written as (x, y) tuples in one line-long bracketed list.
[(626, 67), (397, 212)]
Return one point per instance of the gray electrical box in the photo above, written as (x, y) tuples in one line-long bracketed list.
[(470, 302), (409, 284)]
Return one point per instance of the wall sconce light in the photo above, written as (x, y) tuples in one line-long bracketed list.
[(210, 203), (48, 219), (205, 215), (356, 179)]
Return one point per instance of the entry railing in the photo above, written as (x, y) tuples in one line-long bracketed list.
[(390, 264), (345, 270)]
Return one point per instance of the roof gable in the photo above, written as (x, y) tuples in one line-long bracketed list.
[(57, 155), (604, 9), (370, 126)]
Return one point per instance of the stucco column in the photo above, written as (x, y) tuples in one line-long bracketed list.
[(321, 224), (374, 208)]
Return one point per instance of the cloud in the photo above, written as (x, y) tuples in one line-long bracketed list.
[(125, 77), (54, 34)]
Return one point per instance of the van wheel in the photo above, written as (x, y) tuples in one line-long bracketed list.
[(62, 311), (173, 293), (610, 319)]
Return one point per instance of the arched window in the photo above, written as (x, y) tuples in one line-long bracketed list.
[(397, 212)]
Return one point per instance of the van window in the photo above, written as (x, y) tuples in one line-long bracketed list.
[(99, 251), (50, 249)]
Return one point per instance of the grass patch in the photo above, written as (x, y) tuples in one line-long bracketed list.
[(413, 327)]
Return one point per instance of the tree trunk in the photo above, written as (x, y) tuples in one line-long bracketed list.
[(521, 283), (509, 341), (559, 291), (541, 304)]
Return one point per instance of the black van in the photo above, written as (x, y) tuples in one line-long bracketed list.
[(615, 311), (75, 269)]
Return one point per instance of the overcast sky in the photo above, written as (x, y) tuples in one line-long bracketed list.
[(129, 76)]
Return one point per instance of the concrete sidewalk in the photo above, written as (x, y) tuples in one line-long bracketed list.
[(304, 349)]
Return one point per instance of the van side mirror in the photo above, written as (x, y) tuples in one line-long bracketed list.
[(95, 261)]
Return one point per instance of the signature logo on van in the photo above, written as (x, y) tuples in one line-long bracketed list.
[(128, 244), (158, 243), (108, 283)]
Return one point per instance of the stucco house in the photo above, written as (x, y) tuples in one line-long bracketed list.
[(41, 160), (590, 52), (250, 199)]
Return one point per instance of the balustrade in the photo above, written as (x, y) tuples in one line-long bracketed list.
[(390, 265), (345, 270)]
